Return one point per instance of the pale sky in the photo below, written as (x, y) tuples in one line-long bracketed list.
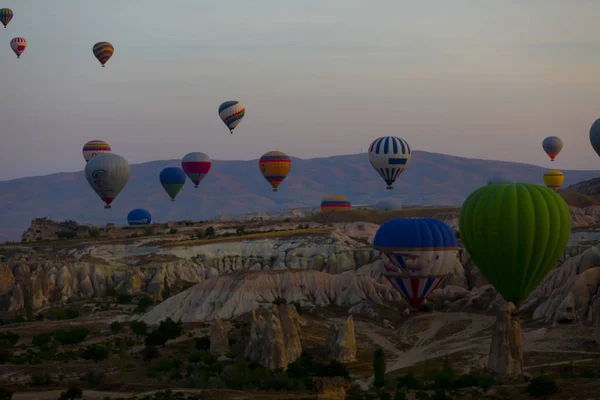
[(482, 79)]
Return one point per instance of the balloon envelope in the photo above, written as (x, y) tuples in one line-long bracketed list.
[(231, 113), (103, 51), (335, 202), (275, 167), (595, 136), (107, 174), (172, 179), (553, 179), (18, 45), (418, 254), (139, 216), (552, 146), (196, 166), (389, 155), (388, 204), (515, 234), (6, 15), (94, 148)]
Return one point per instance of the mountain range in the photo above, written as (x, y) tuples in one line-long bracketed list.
[(234, 187)]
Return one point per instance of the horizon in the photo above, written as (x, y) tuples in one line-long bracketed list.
[(485, 81)]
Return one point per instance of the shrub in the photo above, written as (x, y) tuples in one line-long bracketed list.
[(150, 353), (203, 343), (72, 393), (74, 335), (42, 340), (542, 387), (409, 381), (94, 378), (143, 303), (116, 327), (140, 328), (94, 233), (10, 337), (155, 338), (170, 329), (95, 352), (66, 313), (5, 394), (200, 233), (124, 298), (210, 232), (379, 367), (173, 230)]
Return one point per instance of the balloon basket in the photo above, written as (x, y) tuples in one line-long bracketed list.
[(196, 186), (389, 188), (274, 190), (107, 206), (172, 199)]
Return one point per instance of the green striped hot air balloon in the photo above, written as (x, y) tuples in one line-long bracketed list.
[(515, 234)]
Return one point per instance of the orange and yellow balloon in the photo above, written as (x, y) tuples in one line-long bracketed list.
[(103, 51), (553, 179), (275, 166), (335, 202)]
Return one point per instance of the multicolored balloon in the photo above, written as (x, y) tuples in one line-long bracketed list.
[(389, 155), (94, 148), (231, 113), (335, 202), (552, 146), (553, 179), (515, 234), (6, 15), (417, 254), (275, 167), (18, 45), (103, 51), (139, 216), (196, 166), (595, 136), (172, 180), (107, 174)]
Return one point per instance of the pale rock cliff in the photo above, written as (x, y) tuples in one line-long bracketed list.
[(219, 342), (341, 342)]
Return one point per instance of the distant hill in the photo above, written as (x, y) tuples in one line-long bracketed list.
[(237, 187)]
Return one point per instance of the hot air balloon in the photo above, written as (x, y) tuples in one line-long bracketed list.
[(94, 148), (388, 205), (231, 113), (107, 174), (196, 166), (595, 136), (172, 179), (18, 45), (553, 179), (335, 202), (418, 253), (6, 15), (515, 234), (139, 216), (103, 51), (275, 166), (389, 155), (552, 146)]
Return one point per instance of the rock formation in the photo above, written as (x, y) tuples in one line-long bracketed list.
[(268, 345), (341, 342), (506, 349), (219, 342)]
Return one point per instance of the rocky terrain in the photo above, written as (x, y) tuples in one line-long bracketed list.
[(295, 282)]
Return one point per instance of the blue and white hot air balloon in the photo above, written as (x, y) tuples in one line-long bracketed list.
[(389, 155), (139, 216), (231, 113), (417, 254)]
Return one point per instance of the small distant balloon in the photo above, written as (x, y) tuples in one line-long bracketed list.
[(389, 155), (94, 148), (595, 136), (231, 113), (18, 45), (103, 51), (275, 167), (196, 166), (552, 146), (139, 216), (335, 202), (172, 180), (107, 174), (6, 15), (553, 179)]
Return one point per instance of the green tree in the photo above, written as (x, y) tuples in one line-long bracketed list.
[(74, 335), (94, 233), (210, 232), (42, 340), (116, 327), (72, 393), (166, 293), (241, 230), (122, 359), (124, 298), (379, 367), (155, 338), (203, 343), (542, 387), (10, 337), (150, 353), (170, 329), (140, 328), (5, 394), (95, 352), (143, 303), (200, 234)]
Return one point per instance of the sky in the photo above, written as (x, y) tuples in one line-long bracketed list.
[(482, 79)]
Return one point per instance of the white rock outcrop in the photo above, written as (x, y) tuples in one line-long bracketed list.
[(341, 342), (506, 349), (219, 342)]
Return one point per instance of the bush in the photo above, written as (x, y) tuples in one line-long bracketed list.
[(173, 230), (210, 232), (170, 329), (203, 343), (542, 387), (11, 337), (116, 327), (41, 379), (71, 394), (140, 328), (94, 378), (95, 352), (155, 338), (200, 234), (42, 340), (409, 381), (379, 367), (124, 298), (143, 303), (150, 353), (5, 394), (94, 233), (66, 313), (74, 335)]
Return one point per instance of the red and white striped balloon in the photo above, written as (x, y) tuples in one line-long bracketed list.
[(18, 45), (196, 166)]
